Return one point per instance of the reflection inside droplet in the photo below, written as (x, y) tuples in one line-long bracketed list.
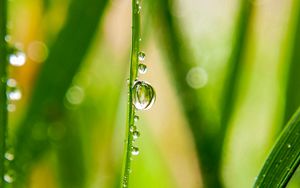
[(143, 95)]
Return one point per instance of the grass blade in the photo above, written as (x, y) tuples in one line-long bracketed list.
[(284, 157), (55, 77), (3, 78), (181, 63), (128, 145), (293, 81)]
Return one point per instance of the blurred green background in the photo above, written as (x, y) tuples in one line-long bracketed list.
[(224, 71)]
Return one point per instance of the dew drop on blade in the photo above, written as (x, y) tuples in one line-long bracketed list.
[(9, 177), (135, 151), (9, 156), (142, 68), (132, 128), (14, 94), (141, 56), (143, 95), (17, 59), (136, 118), (135, 135)]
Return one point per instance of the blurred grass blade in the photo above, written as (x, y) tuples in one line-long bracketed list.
[(235, 63), (55, 77), (209, 146), (284, 158), (180, 63), (292, 98)]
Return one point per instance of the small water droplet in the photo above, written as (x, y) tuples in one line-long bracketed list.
[(132, 128), (7, 38), (289, 145), (14, 94), (17, 59), (139, 8), (143, 95), (135, 135), (141, 56), (135, 151), (11, 107), (142, 68), (9, 177), (136, 118), (9, 155)]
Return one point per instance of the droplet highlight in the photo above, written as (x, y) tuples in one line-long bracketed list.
[(143, 95), (142, 68)]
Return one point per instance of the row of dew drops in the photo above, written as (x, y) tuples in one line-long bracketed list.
[(16, 58), (143, 97)]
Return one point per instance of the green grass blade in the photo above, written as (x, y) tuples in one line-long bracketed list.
[(3, 96), (56, 74), (128, 144), (284, 157), (180, 64), (235, 64), (293, 79)]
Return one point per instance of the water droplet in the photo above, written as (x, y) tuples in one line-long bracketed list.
[(139, 8), (289, 145), (136, 118), (9, 155), (135, 151), (141, 56), (7, 38), (17, 59), (9, 177), (14, 93), (11, 82), (142, 68), (132, 128), (11, 107), (197, 77), (143, 95), (135, 135)]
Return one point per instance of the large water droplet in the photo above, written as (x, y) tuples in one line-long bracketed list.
[(142, 68), (141, 56), (17, 59), (135, 135), (135, 151), (143, 95)]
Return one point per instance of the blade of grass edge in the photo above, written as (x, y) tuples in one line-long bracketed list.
[(55, 77), (284, 158)]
